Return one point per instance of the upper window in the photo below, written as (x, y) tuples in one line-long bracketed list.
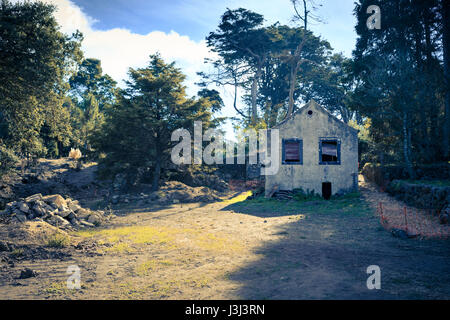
[(329, 151), (292, 151)]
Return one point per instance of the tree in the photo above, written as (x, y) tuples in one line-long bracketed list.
[(299, 48), (400, 79), (294, 57), (445, 21), (137, 133), (240, 40), (264, 62), (35, 60), (214, 98), (331, 85), (89, 79)]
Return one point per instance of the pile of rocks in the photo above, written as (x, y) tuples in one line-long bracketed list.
[(53, 209)]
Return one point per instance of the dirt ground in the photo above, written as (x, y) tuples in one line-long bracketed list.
[(234, 249)]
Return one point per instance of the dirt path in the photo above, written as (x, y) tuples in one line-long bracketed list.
[(256, 249), (396, 214)]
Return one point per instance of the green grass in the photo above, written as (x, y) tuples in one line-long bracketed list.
[(58, 240), (350, 204)]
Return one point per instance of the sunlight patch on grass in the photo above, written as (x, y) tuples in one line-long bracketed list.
[(59, 288), (239, 198), (124, 237), (120, 247)]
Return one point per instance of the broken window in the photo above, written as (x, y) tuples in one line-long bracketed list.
[(292, 151), (329, 151)]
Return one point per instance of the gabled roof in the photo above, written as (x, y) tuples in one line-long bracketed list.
[(313, 104)]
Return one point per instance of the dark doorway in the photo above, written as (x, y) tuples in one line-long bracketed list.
[(326, 190)]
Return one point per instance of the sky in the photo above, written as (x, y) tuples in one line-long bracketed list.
[(123, 33)]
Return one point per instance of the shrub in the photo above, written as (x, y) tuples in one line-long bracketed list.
[(58, 240), (7, 159)]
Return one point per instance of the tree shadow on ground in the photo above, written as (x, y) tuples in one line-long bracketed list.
[(326, 255)]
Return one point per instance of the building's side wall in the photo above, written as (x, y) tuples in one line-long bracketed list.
[(311, 174)]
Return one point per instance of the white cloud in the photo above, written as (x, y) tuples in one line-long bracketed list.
[(119, 49)]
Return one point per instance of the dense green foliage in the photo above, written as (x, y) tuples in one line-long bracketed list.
[(395, 88), (137, 134), (401, 71), (35, 60)]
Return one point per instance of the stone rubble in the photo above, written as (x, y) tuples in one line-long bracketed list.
[(53, 209)]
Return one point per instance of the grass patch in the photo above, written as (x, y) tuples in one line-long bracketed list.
[(145, 268), (350, 204), (59, 288), (57, 240), (125, 238)]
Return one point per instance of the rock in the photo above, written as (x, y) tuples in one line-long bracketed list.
[(56, 201), (71, 217), (86, 224), (83, 213), (63, 213), (94, 219), (34, 197), (73, 207), (75, 222), (57, 221), (4, 246), (24, 207), (20, 217), (39, 211), (27, 273)]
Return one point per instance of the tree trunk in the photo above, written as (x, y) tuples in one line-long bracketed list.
[(406, 147), (254, 93), (156, 175), (157, 169), (446, 44), (293, 78)]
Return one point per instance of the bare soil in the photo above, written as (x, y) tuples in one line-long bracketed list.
[(230, 249)]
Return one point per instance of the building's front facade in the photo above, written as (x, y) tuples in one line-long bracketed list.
[(318, 152)]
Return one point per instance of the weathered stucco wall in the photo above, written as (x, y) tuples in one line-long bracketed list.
[(310, 175)]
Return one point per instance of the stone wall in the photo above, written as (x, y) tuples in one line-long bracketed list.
[(425, 196), (382, 176)]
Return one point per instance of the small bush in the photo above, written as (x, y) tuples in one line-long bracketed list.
[(7, 159), (58, 240)]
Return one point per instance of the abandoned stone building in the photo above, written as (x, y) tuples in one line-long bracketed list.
[(318, 152)]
